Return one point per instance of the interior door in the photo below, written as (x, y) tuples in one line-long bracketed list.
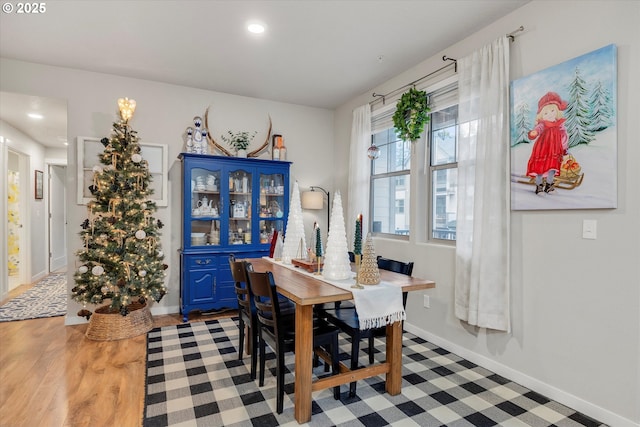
[(16, 206), (57, 218), (13, 221)]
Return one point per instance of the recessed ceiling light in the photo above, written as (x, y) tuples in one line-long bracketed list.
[(255, 28), (35, 115)]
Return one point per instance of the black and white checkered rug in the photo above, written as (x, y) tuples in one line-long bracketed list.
[(194, 378), (47, 298)]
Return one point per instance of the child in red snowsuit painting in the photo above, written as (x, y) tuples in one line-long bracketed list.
[(551, 143)]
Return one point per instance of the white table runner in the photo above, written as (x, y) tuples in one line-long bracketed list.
[(377, 305)]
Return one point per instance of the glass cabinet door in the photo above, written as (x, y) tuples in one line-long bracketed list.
[(205, 207), (240, 192), (272, 200)]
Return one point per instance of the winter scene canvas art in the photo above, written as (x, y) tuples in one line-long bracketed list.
[(563, 135)]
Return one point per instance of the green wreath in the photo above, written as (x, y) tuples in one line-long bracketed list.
[(411, 114)]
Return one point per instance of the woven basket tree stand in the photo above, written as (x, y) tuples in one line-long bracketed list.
[(106, 324)]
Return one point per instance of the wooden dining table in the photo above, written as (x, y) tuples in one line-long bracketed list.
[(306, 291)]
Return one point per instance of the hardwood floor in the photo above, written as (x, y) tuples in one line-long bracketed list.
[(51, 375)]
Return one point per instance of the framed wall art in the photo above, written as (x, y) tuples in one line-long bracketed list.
[(39, 184), (563, 135), (88, 150)]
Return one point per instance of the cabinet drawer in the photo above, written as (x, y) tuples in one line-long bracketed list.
[(204, 261)]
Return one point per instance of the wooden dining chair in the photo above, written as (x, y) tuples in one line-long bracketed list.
[(247, 317), (346, 318), (278, 331)]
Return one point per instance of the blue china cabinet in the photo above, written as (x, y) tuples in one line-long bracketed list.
[(229, 205)]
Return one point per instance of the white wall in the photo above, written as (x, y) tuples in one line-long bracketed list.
[(575, 303), (55, 156), (36, 213), (162, 115), (576, 316)]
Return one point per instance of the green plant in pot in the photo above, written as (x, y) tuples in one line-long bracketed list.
[(239, 141), (411, 114)]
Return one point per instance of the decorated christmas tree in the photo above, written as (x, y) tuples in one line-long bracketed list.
[(294, 240), (121, 260), (336, 257)]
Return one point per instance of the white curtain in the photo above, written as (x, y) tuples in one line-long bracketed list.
[(483, 217), (359, 169)]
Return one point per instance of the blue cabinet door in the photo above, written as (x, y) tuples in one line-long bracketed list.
[(203, 286)]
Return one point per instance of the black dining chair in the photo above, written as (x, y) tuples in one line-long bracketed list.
[(247, 318), (383, 263), (246, 312), (320, 308), (346, 318), (278, 331)]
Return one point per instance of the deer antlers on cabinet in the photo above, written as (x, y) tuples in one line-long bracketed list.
[(226, 152)]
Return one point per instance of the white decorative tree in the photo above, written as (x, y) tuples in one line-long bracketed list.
[(336, 257), (277, 251), (294, 238)]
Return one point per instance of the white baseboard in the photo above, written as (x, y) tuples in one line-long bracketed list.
[(160, 310), (531, 383), (70, 320), (38, 276)]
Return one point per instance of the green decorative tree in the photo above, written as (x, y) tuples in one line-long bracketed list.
[(357, 239), (318, 249), (122, 260), (318, 243)]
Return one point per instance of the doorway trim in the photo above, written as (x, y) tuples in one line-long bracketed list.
[(24, 167), (4, 251), (48, 165)]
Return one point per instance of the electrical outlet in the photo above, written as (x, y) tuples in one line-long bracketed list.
[(427, 301)]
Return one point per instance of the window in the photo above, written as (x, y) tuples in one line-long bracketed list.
[(443, 155), (390, 188), (435, 175)]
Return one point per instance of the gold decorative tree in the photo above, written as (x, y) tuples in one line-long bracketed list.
[(369, 273)]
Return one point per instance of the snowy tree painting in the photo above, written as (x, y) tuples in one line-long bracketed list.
[(601, 114), (585, 120)]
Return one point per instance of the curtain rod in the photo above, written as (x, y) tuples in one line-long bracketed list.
[(382, 97), (378, 96), (512, 34)]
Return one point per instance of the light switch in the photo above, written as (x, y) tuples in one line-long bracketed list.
[(589, 229)]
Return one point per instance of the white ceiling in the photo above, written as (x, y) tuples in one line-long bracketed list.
[(318, 53), (50, 131)]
